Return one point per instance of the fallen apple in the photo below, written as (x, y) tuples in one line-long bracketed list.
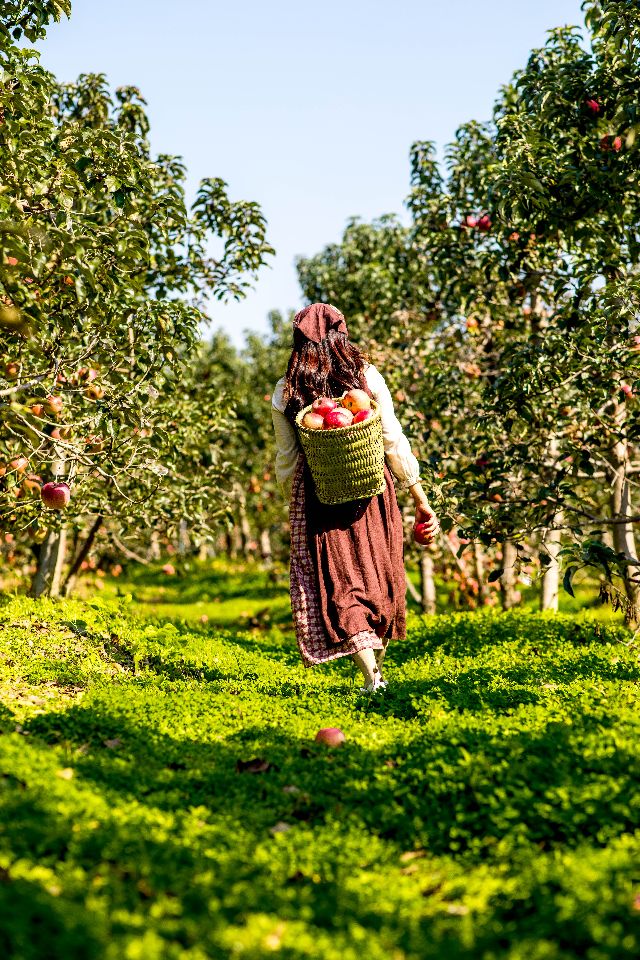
[(362, 415), (355, 400), (313, 421), (330, 736), (55, 495), (323, 405), (337, 418)]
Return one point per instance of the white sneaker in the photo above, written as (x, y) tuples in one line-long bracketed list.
[(375, 686)]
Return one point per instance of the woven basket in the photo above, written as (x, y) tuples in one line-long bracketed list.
[(346, 463)]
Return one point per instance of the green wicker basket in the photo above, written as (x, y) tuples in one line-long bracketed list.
[(346, 463)]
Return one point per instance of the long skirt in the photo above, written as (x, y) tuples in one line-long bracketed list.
[(347, 572)]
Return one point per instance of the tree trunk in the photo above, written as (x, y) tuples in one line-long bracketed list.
[(81, 555), (265, 547), (508, 589), (427, 583), (184, 544), (623, 537), (478, 562), (551, 574), (49, 573), (154, 546), (245, 529)]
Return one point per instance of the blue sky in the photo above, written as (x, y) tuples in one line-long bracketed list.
[(310, 109)]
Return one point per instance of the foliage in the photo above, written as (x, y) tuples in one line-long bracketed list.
[(136, 825), (512, 303), (103, 280)]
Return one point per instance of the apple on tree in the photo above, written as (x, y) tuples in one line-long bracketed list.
[(55, 495)]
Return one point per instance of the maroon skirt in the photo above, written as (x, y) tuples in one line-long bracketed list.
[(347, 571)]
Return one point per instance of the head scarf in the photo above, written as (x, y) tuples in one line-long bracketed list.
[(314, 323)]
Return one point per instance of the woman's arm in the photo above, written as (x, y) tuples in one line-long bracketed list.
[(287, 450), (402, 462)]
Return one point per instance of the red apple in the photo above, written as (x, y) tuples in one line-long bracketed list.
[(37, 409), (617, 144), (12, 369), (484, 223), (420, 534), (323, 405), (337, 418), (355, 400), (330, 736), (593, 106), (626, 389), (19, 464), (169, 569), (54, 404), (55, 495), (94, 392), (470, 221), (313, 421), (362, 415)]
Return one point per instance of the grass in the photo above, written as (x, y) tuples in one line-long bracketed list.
[(162, 795), (246, 595)]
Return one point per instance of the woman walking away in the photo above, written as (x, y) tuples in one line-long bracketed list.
[(347, 574)]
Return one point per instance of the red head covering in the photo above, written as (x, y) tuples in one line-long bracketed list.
[(314, 323)]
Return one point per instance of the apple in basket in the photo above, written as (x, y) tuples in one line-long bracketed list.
[(313, 421), (356, 400), (362, 415), (323, 405), (337, 418)]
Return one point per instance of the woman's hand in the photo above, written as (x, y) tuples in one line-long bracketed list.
[(424, 514)]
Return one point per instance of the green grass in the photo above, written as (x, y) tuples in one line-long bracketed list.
[(245, 595), (162, 795)]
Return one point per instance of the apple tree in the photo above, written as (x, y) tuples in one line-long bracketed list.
[(104, 279)]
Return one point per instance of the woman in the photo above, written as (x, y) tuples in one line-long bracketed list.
[(347, 573)]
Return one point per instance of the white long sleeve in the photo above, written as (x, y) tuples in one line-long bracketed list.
[(287, 446), (401, 460)]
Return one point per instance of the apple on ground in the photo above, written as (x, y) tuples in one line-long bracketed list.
[(362, 415), (169, 569), (313, 420), (330, 736), (355, 400), (323, 405), (55, 495), (337, 418)]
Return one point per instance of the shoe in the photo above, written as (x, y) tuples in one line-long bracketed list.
[(375, 686)]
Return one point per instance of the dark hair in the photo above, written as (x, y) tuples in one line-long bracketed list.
[(324, 369)]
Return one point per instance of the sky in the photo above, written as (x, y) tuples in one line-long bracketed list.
[(308, 109)]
